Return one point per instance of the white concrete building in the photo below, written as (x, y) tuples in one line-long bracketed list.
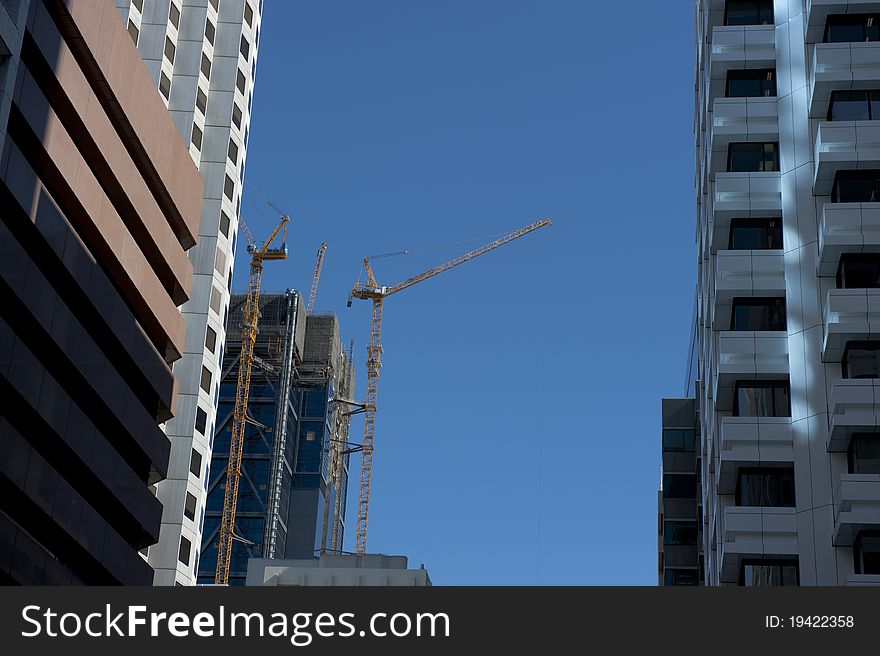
[(202, 55), (787, 126)]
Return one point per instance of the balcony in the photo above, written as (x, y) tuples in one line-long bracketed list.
[(751, 532), (844, 145), (857, 507), (847, 228), (842, 67), (819, 10), (849, 315), (855, 408), (751, 442), (746, 273), (745, 194), (740, 47), (748, 355), (742, 119)]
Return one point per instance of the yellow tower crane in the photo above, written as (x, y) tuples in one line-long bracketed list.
[(373, 291), (249, 329), (313, 293)]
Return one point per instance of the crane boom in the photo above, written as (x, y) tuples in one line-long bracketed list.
[(313, 293), (377, 293), (250, 319)]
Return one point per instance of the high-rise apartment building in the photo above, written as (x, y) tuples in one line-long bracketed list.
[(787, 386), (99, 202), (202, 55)]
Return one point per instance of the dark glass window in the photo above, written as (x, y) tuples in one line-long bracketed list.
[(197, 137), (757, 313), (848, 28), (224, 225), (205, 382), (189, 509), (210, 339), (679, 486), (169, 49), (762, 398), (201, 101), (765, 487), (240, 81), (195, 463), (866, 552), (854, 106), (755, 234), (858, 271), (201, 420), (748, 12), (133, 30), (861, 360), (752, 157), (164, 85), (229, 187), (216, 5), (244, 47), (183, 551), (856, 187), (680, 533), (751, 83), (139, 4), (206, 66), (754, 573), (210, 31), (674, 577), (248, 14), (174, 15), (676, 439), (232, 152), (864, 453)]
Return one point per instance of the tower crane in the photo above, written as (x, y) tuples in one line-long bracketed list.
[(313, 293), (250, 318), (373, 291)]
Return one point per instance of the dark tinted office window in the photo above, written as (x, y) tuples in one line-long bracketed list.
[(232, 152), (757, 313), (210, 339), (169, 49), (236, 116), (248, 14), (751, 83), (189, 510), (201, 101), (675, 577), (133, 30), (755, 234), (216, 5), (224, 224), (205, 383), (680, 533), (174, 15), (848, 28), (866, 552), (240, 81), (768, 573), (864, 453), (245, 47), (195, 463), (201, 420), (748, 12), (856, 187), (229, 187), (197, 137), (858, 271), (769, 398), (768, 488), (679, 486), (164, 85), (139, 4), (752, 157), (861, 360), (206, 66), (676, 439), (209, 32), (854, 106), (183, 551)]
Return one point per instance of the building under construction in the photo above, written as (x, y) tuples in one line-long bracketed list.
[(294, 471)]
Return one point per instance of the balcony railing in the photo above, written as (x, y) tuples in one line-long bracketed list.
[(746, 273), (751, 442), (857, 507), (847, 228), (849, 315), (841, 66), (745, 194), (750, 532), (844, 145), (855, 408), (743, 119), (748, 355), (741, 46)]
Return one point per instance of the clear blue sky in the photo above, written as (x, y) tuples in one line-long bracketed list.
[(517, 440)]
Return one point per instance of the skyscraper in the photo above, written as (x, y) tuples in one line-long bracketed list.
[(99, 202), (202, 55), (788, 375)]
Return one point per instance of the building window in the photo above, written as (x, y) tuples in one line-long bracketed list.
[(201, 101), (211, 339), (134, 31), (216, 5), (748, 12), (757, 313), (174, 15), (861, 360), (232, 152), (679, 486), (169, 49), (138, 4), (224, 223), (240, 81), (859, 271), (849, 28), (189, 508), (195, 464), (866, 552), (766, 488), (680, 533), (236, 116), (201, 420), (748, 234), (856, 187), (220, 261), (206, 66), (854, 106), (229, 187), (245, 47), (164, 85), (752, 157), (215, 300), (755, 573), (864, 453), (248, 14), (209, 32), (183, 551), (761, 398), (751, 83), (676, 577), (197, 137), (205, 382), (676, 439)]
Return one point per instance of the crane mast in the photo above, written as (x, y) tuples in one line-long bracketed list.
[(250, 319), (313, 292), (373, 291)]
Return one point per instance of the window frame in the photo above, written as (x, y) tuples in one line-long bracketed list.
[(752, 75), (765, 472), (762, 223), (762, 384)]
